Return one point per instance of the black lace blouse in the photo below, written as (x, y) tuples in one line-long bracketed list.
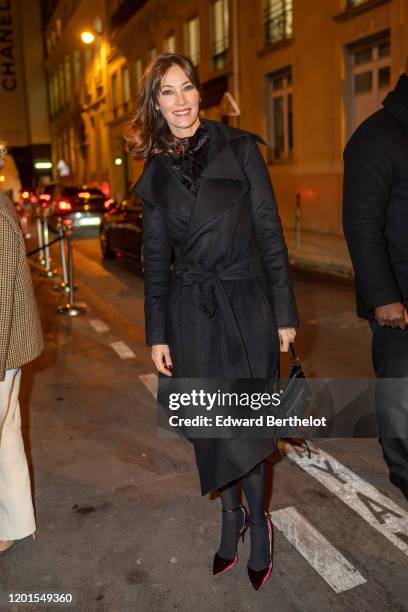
[(189, 165)]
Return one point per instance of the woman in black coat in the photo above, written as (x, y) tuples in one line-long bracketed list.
[(226, 307)]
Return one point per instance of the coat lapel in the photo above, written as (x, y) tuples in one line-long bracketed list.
[(160, 186), (223, 181)]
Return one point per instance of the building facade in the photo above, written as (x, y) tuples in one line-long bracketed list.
[(78, 90), (24, 125), (312, 71), (302, 73)]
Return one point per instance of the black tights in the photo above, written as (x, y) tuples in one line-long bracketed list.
[(253, 484)]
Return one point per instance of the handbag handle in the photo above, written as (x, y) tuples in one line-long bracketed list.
[(293, 352)]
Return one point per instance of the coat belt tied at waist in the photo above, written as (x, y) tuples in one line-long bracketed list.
[(211, 290), (213, 296)]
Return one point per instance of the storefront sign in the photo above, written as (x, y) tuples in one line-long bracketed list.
[(7, 47)]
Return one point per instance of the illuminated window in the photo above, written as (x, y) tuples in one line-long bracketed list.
[(138, 69), (192, 39), (51, 96), (77, 70), (56, 89), (170, 43), (125, 88), (280, 114), (219, 33), (67, 66), (115, 99), (72, 148), (369, 78), (98, 61), (278, 20), (61, 73)]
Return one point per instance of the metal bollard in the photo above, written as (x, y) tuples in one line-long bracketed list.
[(40, 241), (64, 284), (47, 272), (70, 308), (297, 222)]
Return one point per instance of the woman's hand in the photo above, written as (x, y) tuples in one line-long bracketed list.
[(161, 358), (286, 336)]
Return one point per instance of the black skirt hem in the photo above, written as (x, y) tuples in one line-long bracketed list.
[(205, 490)]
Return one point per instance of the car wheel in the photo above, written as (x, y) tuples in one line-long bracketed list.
[(141, 259), (107, 253)]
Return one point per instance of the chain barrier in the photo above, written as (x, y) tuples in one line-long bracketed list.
[(70, 308), (31, 253), (65, 238)]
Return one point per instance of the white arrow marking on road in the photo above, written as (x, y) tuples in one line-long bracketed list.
[(123, 350), (379, 511), (98, 325), (150, 381), (339, 574)]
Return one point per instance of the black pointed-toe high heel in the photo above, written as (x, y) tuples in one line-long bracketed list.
[(221, 565), (259, 577)]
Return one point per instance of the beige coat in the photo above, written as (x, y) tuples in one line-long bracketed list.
[(21, 337)]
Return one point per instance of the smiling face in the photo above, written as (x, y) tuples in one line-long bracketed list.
[(179, 100)]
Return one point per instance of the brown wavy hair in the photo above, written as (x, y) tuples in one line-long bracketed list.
[(148, 132), (3, 153)]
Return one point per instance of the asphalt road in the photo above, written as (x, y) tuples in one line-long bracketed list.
[(121, 522)]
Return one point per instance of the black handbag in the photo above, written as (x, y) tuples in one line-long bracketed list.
[(295, 393)]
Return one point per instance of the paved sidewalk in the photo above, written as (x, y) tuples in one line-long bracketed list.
[(322, 252), (122, 525)]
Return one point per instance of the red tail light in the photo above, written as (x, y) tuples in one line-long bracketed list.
[(45, 196), (109, 202), (64, 207)]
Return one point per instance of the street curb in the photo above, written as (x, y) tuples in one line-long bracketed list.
[(327, 267)]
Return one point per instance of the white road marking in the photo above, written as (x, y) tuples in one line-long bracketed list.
[(379, 511), (122, 350), (339, 574), (150, 381), (98, 325)]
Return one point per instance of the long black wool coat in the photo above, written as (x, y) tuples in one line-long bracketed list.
[(375, 203), (218, 306)]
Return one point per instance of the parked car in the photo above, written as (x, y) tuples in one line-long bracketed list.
[(78, 206), (45, 195), (25, 205), (27, 197), (121, 231)]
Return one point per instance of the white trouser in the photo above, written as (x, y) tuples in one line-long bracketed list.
[(16, 506)]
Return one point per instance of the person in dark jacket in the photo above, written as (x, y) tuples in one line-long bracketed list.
[(227, 306), (375, 216)]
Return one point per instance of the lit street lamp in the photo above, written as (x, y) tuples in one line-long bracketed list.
[(87, 37)]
